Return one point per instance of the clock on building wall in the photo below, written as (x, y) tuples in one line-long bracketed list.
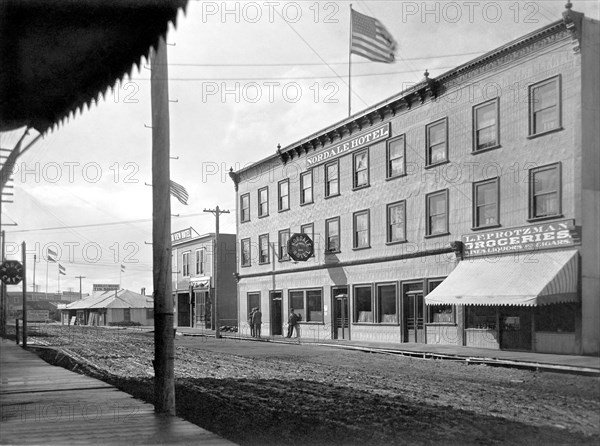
[(11, 272)]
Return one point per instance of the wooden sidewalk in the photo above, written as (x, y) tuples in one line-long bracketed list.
[(44, 404)]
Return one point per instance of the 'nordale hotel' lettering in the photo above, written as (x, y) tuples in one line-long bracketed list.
[(352, 144)]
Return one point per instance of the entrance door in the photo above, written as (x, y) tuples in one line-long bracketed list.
[(413, 317), (276, 314), (183, 310), (202, 312), (341, 313), (515, 329)]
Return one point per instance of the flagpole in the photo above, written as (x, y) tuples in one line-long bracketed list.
[(58, 275), (350, 67), (46, 277)]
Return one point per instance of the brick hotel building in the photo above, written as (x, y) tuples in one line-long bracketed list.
[(463, 210)]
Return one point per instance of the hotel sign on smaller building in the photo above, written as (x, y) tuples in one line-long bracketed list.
[(558, 234), (105, 287), (356, 142), (181, 235)]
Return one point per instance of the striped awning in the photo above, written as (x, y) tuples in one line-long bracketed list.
[(527, 279), (200, 283)]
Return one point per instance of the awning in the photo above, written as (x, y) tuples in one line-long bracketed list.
[(527, 279)]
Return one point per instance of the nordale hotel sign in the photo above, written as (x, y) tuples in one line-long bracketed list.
[(364, 139)]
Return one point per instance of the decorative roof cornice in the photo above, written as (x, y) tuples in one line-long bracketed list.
[(430, 89)]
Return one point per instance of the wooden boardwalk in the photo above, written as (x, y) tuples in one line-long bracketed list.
[(47, 405)]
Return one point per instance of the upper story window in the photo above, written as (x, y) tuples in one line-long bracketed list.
[(309, 229), (263, 202), (332, 184), (361, 230), (545, 191), (360, 169), (396, 222), (437, 142), (332, 234), (306, 187), (486, 203), (395, 157), (199, 261), (284, 195), (245, 208), (486, 132), (437, 213), (185, 260), (263, 248), (544, 106), (284, 236), (245, 258)]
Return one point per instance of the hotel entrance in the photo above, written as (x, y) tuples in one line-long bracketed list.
[(341, 313), (413, 310), (276, 298)]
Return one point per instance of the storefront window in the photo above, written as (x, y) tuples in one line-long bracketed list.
[(307, 303), (558, 318), (481, 317), (386, 298), (362, 303)]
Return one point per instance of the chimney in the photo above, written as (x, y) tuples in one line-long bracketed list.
[(143, 292)]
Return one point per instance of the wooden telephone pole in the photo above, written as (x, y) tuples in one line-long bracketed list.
[(164, 333), (217, 212)]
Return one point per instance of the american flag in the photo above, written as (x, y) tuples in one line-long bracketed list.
[(62, 270), (179, 192), (122, 268), (371, 40)]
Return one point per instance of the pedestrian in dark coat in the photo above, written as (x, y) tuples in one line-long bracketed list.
[(293, 320), (250, 321), (257, 322)]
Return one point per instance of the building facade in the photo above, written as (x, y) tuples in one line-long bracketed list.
[(462, 211), (194, 282)]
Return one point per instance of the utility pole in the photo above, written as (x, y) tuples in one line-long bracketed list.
[(217, 212), (164, 333), (80, 277)]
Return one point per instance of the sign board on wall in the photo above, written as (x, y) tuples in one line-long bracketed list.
[(300, 247), (38, 315), (181, 235), (105, 287), (557, 234), (376, 134)]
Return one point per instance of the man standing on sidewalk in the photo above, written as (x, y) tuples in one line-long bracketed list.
[(257, 322), (293, 323)]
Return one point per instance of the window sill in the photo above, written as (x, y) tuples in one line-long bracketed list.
[(283, 260), (307, 203), (436, 164), (283, 210), (311, 323), (332, 196), (547, 132), (246, 266), (399, 242), (264, 263), (441, 324), (244, 221), (331, 252), (483, 228), (436, 235), (263, 216), (549, 217), (487, 149), (395, 177), (361, 248), (363, 186)]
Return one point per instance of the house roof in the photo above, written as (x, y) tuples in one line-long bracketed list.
[(111, 299)]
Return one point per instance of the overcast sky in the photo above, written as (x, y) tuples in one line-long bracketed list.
[(244, 77)]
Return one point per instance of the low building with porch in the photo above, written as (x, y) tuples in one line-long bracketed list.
[(110, 307)]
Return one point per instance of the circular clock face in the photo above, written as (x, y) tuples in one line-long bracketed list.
[(11, 272)]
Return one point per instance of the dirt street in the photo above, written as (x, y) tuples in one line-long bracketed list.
[(261, 393)]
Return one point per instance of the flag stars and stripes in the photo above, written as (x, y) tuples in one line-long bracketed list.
[(179, 192), (62, 270), (370, 39)]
